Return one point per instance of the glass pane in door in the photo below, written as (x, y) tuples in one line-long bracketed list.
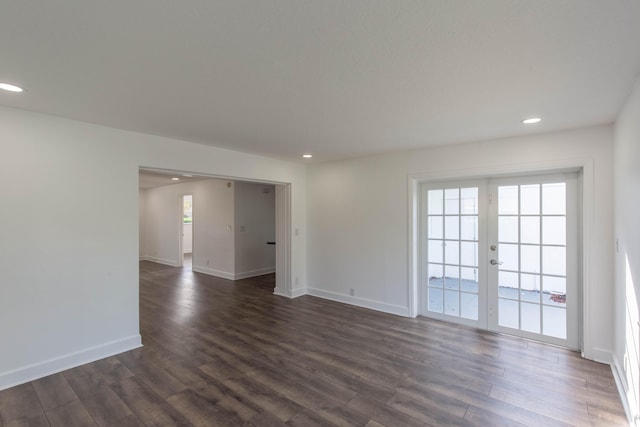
[(532, 254), (452, 252)]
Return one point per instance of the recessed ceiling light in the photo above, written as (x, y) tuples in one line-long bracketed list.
[(532, 120), (307, 156), (10, 87), (175, 178)]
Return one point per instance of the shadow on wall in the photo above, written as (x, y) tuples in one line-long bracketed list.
[(631, 363)]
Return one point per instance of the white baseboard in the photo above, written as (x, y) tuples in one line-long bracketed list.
[(621, 384), (254, 273), (599, 355), (295, 293), (360, 302), (281, 292), (213, 272), (289, 294), (143, 258), (232, 276), (169, 262), (47, 367), (188, 252)]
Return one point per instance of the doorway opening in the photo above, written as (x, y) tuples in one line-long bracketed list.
[(187, 232), (233, 229)]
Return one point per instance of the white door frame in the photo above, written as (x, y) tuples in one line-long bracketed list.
[(283, 240), (181, 229), (586, 209)]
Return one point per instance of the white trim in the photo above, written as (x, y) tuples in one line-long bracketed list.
[(58, 364), (213, 272), (232, 276), (295, 293), (280, 292), (360, 302), (169, 262), (587, 211), (619, 378), (414, 244), (602, 356), (254, 273), (498, 171), (283, 239), (180, 254), (290, 294), (144, 258)]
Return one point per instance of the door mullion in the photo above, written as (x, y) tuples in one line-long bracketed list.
[(519, 220), (459, 252), (490, 238), (484, 205), (541, 300)]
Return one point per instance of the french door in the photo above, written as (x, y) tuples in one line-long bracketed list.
[(501, 254)]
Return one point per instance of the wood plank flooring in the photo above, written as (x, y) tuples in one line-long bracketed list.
[(219, 353)]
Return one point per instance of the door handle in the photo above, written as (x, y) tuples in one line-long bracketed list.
[(494, 262)]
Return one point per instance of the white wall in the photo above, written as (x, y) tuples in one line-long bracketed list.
[(69, 261), (187, 238), (142, 214), (627, 232), (213, 244), (255, 225), (358, 218)]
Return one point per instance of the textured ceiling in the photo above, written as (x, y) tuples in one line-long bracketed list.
[(332, 77)]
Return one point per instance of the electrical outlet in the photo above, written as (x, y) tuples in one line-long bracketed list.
[(352, 292), (207, 262), (297, 281)]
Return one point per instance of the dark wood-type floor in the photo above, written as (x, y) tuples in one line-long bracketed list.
[(218, 353)]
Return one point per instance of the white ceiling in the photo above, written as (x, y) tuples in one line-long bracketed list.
[(147, 179), (338, 78)]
